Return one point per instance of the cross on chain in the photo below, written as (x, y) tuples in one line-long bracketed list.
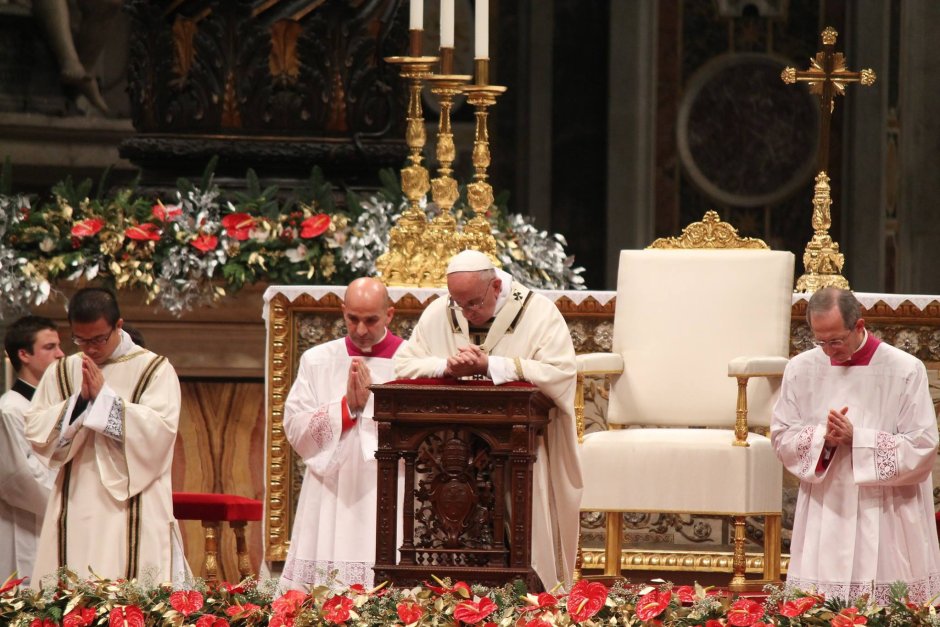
[(827, 78)]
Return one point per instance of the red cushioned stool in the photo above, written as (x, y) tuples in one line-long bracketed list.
[(213, 509)]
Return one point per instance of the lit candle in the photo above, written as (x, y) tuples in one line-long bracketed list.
[(481, 30), (416, 15), (447, 23)]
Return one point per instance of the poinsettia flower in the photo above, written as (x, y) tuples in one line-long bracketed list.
[(126, 616), (409, 612), (336, 609), (87, 228), (186, 601), (241, 610), (289, 602), (586, 599), (744, 613), (238, 225), (314, 225), (472, 613), (211, 621), (796, 607), (166, 212), (652, 604), (848, 617), (79, 617), (460, 588), (147, 231), (205, 243), (11, 583)]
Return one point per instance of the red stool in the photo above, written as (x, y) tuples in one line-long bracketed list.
[(213, 509)]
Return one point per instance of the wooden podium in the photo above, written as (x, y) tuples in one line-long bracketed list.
[(468, 451)]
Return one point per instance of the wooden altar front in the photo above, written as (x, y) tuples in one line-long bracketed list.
[(468, 451)]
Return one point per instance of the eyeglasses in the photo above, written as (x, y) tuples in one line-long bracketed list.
[(834, 344), (472, 305), (99, 340)]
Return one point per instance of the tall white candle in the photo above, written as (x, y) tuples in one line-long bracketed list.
[(447, 23), (481, 30), (416, 15)]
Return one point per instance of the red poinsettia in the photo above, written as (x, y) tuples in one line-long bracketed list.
[(848, 617), (409, 612), (794, 608), (11, 583), (186, 601), (147, 231), (126, 616), (745, 613), (238, 225), (652, 604), (204, 242), (79, 617), (472, 613), (336, 609), (314, 225), (211, 621), (87, 228), (166, 212), (586, 599)]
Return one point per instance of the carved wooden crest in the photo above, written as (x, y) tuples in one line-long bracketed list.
[(711, 232)]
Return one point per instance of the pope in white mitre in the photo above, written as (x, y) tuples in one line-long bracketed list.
[(493, 326)]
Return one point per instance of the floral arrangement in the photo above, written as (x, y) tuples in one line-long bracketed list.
[(71, 602), (191, 248)]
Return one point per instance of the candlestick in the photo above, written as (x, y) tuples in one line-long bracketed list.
[(447, 23), (416, 15), (481, 30)]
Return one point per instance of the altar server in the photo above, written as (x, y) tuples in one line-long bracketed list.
[(856, 424), (492, 326), (32, 344), (328, 421), (106, 420)]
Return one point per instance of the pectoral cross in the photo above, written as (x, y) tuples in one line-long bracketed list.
[(827, 78)]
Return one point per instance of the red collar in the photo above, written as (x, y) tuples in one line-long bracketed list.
[(385, 348), (861, 357)]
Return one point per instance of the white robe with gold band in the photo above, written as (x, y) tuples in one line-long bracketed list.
[(528, 340), (111, 509)]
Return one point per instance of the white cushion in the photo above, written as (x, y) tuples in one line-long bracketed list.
[(589, 363), (679, 470), (757, 366)]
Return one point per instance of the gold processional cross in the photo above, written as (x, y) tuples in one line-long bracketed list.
[(827, 78)]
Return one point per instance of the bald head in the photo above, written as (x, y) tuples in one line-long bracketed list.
[(367, 311)]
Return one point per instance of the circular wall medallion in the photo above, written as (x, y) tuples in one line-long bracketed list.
[(745, 138)]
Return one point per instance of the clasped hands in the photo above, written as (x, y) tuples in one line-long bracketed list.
[(469, 360), (357, 386), (92, 379), (838, 428)]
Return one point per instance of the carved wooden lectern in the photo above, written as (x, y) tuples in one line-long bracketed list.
[(468, 451)]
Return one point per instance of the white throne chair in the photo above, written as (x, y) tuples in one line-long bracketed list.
[(701, 337)]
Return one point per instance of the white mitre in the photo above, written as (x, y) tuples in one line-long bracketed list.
[(469, 261)]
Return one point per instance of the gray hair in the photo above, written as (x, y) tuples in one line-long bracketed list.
[(827, 298)]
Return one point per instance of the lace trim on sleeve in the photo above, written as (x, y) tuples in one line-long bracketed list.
[(804, 443), (886, 456), (319, 427), (115, 426)]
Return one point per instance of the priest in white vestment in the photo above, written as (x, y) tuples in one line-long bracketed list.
[(328, 421), (856, 424), (32, 344), (493, 326), (106, 420)]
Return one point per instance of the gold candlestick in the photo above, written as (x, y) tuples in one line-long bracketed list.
[(822, 259), (477, 233), (402, 264), (441, 240)]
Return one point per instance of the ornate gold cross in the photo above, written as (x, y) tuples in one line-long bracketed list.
[(827, 78)]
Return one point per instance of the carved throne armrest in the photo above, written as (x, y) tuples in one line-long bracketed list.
[(743, 368), (592, 364)]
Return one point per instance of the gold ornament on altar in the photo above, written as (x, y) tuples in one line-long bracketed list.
[(827, 77), (822, 259)]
